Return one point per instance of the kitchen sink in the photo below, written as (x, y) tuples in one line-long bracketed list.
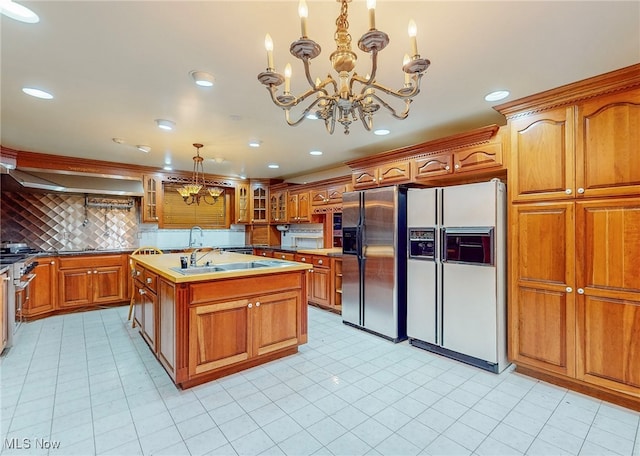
[(205, 269)]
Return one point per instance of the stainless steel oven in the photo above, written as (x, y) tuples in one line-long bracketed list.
[(21, 275), (468, 245)]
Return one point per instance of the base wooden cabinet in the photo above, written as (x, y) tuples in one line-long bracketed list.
[(92, 280), (320, 282), (44, 289), (574, 288)]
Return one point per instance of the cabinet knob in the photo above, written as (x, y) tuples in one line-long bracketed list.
[(568, 191), (303, 259), (53, 262), (264, 253), (569, 289), (141, 291), (580, 291), (319, 261), (95, 272), (88, 272), (249, 305), (447, 167), (258, 304), (581, 190), (149, 280), (457, 166)]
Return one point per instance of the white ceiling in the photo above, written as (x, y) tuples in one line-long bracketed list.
[(114, 67)]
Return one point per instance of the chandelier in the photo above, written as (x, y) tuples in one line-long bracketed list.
[(193, 192), (339, 100)]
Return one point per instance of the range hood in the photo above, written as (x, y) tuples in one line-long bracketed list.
[(75, 183)]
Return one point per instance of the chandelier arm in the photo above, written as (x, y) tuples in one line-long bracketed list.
[(398, 94), (362, 118), (372, 75), (302, 116), (330, 124), (393, 112), (307, 72)]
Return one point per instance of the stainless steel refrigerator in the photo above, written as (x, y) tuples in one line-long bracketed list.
[(456, 272), (374, 231)]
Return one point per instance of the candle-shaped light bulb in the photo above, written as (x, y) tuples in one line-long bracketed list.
[(287, 78), (413, 31), (303, 12), (268, 44), (407, 76), (371, 6)]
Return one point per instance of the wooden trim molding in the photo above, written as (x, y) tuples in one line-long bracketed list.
[(614, 81)]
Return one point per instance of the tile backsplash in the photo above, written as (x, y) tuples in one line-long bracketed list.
[(61, 222)]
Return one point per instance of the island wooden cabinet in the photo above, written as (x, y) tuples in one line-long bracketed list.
[(91, 280), (44, 287), (228, 332), (146, 304)]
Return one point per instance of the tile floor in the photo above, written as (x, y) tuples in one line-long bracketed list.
[(86, 383)]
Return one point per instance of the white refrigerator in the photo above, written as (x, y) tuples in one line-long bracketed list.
[(456, 272)]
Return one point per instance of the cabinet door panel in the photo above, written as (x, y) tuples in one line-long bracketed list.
[(608, 240), (608, 146), (320, 286), (43, 289), (488, 156), (542, 250), (545, 329), (275, 321), (437, 165), (608, 348), (395, 172), (107, 285), (219, 335), (543, 155), (365, 178), (75, 288)]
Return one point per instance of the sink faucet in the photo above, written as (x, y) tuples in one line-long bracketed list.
[(192, 241), (192, 259)]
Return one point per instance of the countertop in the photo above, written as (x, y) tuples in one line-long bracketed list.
[(162, 264)]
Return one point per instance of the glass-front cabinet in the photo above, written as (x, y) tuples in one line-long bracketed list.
[(243, 203), (151, 201), (259, 202)]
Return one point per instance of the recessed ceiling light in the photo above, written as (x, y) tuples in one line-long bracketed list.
[(144, 148), (273, 165), (165, 124), (255, 143), (497, 95), (315, 152), (381, 132), (167, 168), (202, 78), (312, 116), (37, 93), (18, 12)]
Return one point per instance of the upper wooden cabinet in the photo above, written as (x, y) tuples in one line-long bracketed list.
[(259, 200), (243, 203), (152, 199), (299, 207), (467, 160), (542, 155), (278, 206), (331, 194), (608, 145), (387, 174)]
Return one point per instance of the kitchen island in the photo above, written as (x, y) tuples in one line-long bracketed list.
[(228, 313)]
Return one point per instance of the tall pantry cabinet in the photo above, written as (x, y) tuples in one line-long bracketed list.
[(574, 235)]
